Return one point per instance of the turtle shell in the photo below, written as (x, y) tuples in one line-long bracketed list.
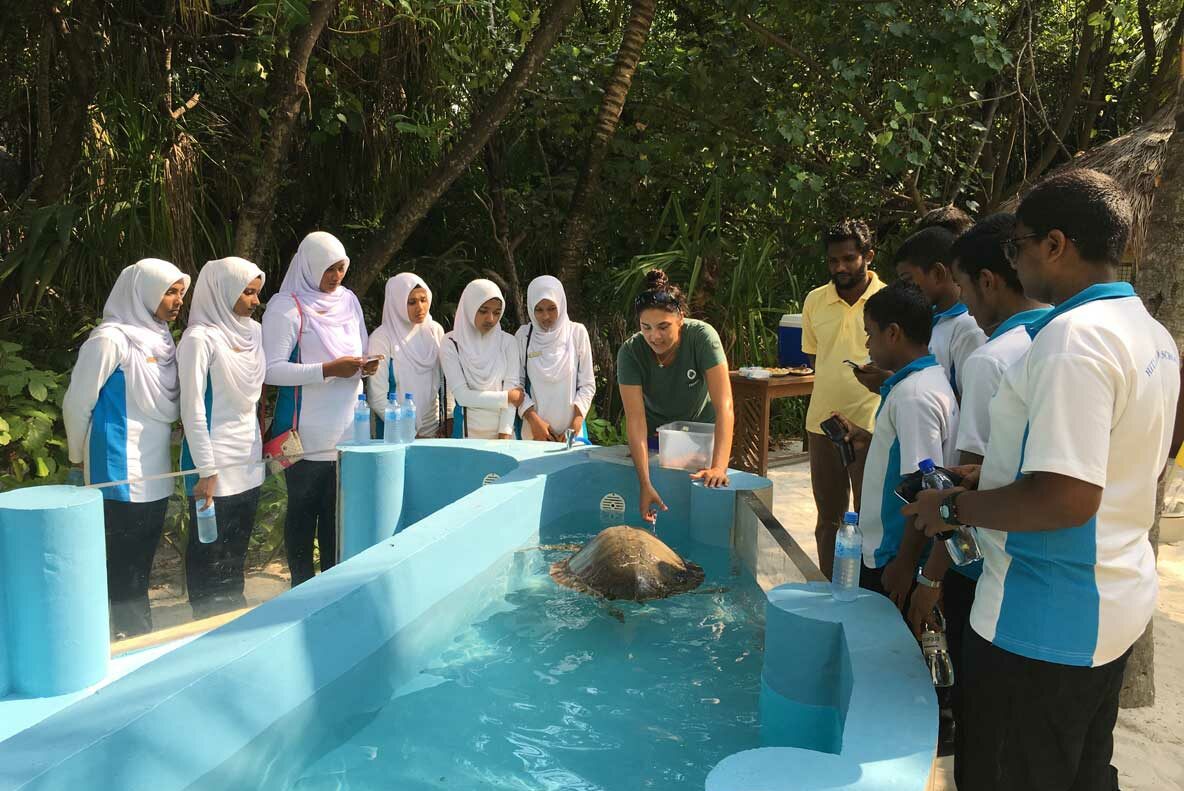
[(627, 563)]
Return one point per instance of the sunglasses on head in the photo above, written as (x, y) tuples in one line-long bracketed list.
[(649, 299)]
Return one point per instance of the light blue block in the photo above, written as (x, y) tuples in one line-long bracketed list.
[(370, 495), (53, 567)]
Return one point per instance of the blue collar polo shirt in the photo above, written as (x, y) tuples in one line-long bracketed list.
[(955, 336)]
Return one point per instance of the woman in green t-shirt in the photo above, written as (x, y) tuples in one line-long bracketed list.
[(673, 369)]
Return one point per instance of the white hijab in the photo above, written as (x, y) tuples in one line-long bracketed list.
[(336, 318), (219, 286), (556, 358), (417, 345), (480, 354), (130, 312)]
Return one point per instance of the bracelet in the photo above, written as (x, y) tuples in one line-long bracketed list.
[(928, 583)]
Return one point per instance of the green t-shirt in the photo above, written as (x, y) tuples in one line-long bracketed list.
[(678, 391)]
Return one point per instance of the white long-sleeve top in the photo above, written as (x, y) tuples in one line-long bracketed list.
[(325, 412), (220, 439), (557, 401), (392, 370), (487, 412), (105, 430)]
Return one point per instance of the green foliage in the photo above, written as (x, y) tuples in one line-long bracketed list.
[(605, 432), (32, 447)]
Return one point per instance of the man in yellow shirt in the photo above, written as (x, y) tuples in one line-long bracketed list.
[(832, 331)]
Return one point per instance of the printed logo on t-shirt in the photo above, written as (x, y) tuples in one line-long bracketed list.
[(692, 374)]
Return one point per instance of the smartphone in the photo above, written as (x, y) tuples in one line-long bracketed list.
[(911, 485), (854, 366), (836, 432), (373, 359)]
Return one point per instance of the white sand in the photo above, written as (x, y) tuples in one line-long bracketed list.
[(1149, 743)]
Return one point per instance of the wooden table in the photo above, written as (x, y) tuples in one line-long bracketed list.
[(752, 399)]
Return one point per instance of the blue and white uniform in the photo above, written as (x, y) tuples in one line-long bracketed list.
[(982, 373), (123, 395), (918, 419), (1094, 399), (222, 368), (955, 337)]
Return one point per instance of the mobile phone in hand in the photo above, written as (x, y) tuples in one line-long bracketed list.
[(854, 366), (836, 432)]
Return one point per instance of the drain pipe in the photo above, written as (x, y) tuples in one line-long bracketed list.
[(54, 633)]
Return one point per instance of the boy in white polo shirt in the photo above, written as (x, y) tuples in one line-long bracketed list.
[(1080, 430), (918, 419), (924, 258)]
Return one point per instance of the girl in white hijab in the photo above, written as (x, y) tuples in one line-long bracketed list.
[(555, 355), (409, 340), (221, 363), (119, 411), (314, 337), (480, 363)]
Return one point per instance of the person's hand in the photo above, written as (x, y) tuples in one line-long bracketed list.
[(712, 477), (921, 608), (897, 580), (859, 437), (203, 492), (370, 367), (539, 428), (445, 430), (577, 424), (871, 376), (651, 504), (505, 436), (342, 367), (970, 474), (516, 396), (925, 509)]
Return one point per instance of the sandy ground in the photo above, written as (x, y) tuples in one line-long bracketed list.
[(1148, 743)]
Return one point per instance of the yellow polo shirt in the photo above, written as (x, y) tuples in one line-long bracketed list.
[(833, 331)]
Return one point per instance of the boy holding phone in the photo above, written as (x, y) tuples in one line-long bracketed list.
[(833, 331), (917, 419)]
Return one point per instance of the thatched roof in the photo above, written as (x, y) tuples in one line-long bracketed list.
[(1134, 160)]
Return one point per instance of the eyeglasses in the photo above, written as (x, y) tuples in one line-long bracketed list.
[(1011, 247), (647, 299)]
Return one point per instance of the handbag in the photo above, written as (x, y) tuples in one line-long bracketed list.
[(285, 449)]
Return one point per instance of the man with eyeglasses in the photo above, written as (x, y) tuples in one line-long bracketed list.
[(1080, 430)]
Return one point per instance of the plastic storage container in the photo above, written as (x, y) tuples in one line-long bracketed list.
[(789, 341), (683, 445)]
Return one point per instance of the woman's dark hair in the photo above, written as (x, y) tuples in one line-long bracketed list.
[(982, 248), (902, 304), (1087, 206), (659, 293)]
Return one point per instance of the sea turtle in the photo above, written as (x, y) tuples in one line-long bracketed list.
[(624, 562)]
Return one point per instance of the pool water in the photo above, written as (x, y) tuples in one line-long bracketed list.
[(553, 689)]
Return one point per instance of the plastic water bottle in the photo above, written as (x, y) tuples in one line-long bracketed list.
[(844, 583), (362, 420), (937, 652), (410, 420), (207, 524), (392, 430), (960, 541)]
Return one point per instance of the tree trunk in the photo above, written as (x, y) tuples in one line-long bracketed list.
[(1169, 66), (75, 40), (467, 148), (1161, 285), (285, 97), (578, 227)]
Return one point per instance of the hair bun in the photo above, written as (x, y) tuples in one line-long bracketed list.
[(656, 280)]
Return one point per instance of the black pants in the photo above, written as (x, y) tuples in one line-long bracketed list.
[(133, 533), (312, 515), (214, 572), (1032, 725)]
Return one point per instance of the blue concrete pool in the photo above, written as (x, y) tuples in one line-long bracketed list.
[(444, 656)]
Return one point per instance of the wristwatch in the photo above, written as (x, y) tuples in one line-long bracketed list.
[(948, 510), (928, 583)]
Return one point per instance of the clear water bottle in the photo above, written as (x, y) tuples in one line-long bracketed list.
[(960, 541), (410, 420), (362, 420), (937, 651), (392, 423), (207, 524), (844, 583)]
